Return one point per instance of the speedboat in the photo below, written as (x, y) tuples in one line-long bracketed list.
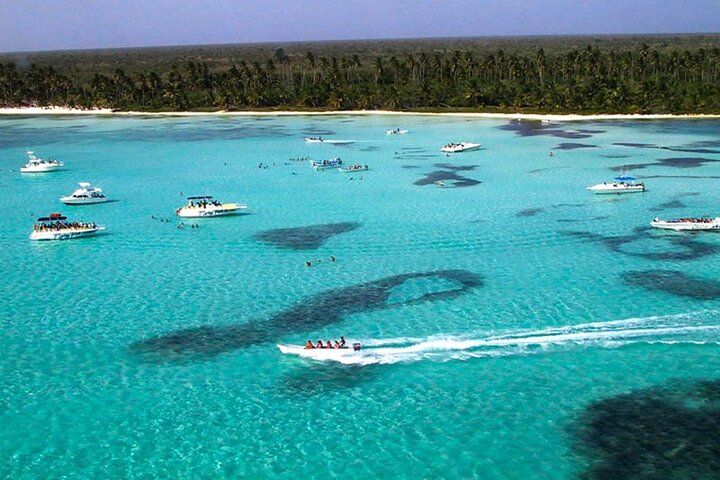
[(356, 167), (319, 353), (56, 227), (460, 147), (314, 139), (207, 206), (326, 164), (395, 131), (622, 184), (38, 165), (685, 224), (85, 195)]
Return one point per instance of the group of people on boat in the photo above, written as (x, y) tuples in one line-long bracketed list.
[(328, 344), (332, 161), (452, 145), (688, 220), (56, 226), (204, 204), (319, 139), (357, 167)]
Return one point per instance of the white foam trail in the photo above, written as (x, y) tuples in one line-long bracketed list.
[(699, 328)]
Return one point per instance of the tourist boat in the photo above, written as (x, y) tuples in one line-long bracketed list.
[(689, 224), (56, 227), (85, 195), (326, 164), (622, 184), (356, 167), (395, 131), (207, 206), (38, 165), (320, 353), (460, 147)]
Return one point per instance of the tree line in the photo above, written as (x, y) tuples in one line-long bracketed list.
[(635, 80)]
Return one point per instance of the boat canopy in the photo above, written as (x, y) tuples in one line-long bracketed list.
[(624, 178), (51, 218), (202, 197)]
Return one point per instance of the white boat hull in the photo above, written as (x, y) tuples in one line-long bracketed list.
[(460, 147), (395, 132), (210, 210), (82, 201), (41, 168), (354, 170), (611, 188), (682, 226), (65, 233), (317, 353)]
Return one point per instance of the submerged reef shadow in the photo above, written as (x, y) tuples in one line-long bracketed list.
[(665, 432), (674, 282), (532, 128), (688, 247), (321, 310), (304, 238), (449, 174)]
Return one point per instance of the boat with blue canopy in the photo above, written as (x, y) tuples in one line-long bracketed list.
[(620, 184)]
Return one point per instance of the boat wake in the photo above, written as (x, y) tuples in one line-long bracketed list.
[(702, 328)]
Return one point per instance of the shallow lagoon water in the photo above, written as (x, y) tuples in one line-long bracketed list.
[(500, 308)]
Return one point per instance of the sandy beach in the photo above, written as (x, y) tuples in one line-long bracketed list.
[(515, 116)]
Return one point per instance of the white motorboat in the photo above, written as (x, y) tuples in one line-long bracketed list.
[(622, 184), (460, 147), (38, 165), (320, 353), (395, 131), (326, 164), (85, 195), (687, 224), (356, 167), (314, 139), (207, 206), (56, 227)]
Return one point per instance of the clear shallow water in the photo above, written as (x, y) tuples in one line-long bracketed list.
[(497, 311)]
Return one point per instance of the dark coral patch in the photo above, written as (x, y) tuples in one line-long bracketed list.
[(574, 146), (686, 247), (304, 238), (684, 162), (321, 310), (676, 283), (449, 175), (531, 128), (665, 432), (528, 212)]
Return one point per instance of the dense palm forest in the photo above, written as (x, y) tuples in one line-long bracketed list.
[(635, 75)]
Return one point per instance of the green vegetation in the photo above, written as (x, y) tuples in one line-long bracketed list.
[(645, 74)]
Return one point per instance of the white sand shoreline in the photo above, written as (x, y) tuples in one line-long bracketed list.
[(515, 116)]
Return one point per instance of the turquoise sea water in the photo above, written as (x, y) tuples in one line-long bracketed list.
[(495, 310)]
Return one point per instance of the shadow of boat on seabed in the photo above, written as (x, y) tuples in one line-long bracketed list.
[(316, 312)]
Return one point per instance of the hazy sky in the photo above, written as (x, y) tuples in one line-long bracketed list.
[(75, 24)]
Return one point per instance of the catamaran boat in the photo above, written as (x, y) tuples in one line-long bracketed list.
[(460, 147), (395, 131), (687, 224), (356, 167), (85, 195), (320, 353), (622, 184), (326, 164), (38, 165), (207, 206), (56, 227)]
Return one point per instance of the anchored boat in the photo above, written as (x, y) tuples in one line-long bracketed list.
[(38, 165), (85, 195), (687, 224), (206, 206), (460, 147), (622, 184), (56, 227)]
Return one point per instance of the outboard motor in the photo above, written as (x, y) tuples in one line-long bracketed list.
[(356, 346)]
